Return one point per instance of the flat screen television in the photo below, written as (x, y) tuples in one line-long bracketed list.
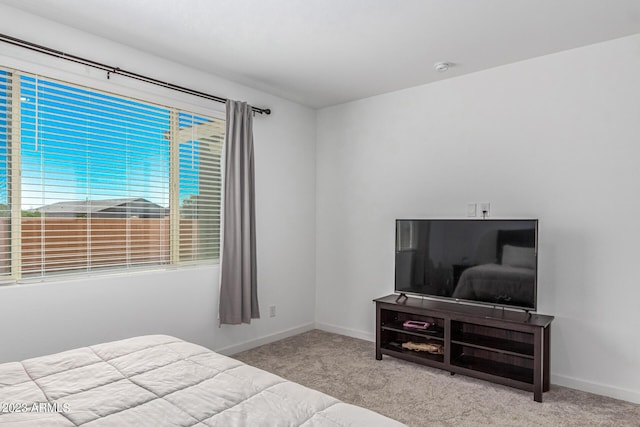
[(488, 261)]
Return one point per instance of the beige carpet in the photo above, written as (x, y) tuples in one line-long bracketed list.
[(346, 368)]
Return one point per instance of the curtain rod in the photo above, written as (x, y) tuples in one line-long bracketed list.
[(115, 70)]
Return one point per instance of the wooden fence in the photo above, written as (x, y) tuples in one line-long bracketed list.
[(63, 244)]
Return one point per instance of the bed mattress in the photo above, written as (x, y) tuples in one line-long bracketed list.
[(160, 380)]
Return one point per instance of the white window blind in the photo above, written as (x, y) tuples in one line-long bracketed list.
[(200, 151), (107, 182), (5, 208)]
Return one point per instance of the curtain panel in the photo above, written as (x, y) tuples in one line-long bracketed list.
[(238, 276)]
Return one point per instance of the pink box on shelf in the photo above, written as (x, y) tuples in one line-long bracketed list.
[(416, 324)]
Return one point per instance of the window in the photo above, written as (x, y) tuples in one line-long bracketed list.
[(5, 243), (91, 181)]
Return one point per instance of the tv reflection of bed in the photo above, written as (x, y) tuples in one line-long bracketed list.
[(512, 281), (499, 284)]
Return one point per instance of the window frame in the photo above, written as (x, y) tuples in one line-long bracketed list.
[(116, 86)]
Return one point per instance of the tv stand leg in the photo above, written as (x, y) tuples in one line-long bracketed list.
[(378, 332), (545, 355)]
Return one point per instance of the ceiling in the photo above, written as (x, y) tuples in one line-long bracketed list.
[(326, 52)]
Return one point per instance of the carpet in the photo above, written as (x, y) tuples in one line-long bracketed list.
[(416, 395)]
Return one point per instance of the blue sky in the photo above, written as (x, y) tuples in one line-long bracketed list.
[(91, 145)]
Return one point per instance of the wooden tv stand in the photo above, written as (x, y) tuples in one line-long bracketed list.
[(503, 346)]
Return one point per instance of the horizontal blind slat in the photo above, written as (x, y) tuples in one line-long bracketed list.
[(83, 148)]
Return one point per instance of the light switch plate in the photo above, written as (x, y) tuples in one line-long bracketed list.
[(471, 209)]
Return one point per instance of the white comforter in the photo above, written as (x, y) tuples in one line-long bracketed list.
[(162, 381)]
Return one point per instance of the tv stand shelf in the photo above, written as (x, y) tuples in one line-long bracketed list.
[(503, 346)]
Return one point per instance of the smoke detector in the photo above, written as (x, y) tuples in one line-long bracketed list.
[(441, 67)]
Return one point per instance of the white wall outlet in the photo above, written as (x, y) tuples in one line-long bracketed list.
[(272, 311), (472, 209), (485, 209)]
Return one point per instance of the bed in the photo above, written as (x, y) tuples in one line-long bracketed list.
[(159, 380)]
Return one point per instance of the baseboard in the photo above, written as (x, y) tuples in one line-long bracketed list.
[(257, 342), (353, 333), (596, 388), (562, 380)]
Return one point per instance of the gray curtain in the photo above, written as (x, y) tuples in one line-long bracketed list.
[(238, 284)]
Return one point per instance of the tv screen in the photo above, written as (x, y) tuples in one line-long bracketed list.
[(489, 261)]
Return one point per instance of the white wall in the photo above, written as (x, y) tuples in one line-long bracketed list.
[(556, 138), (37, 319)]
